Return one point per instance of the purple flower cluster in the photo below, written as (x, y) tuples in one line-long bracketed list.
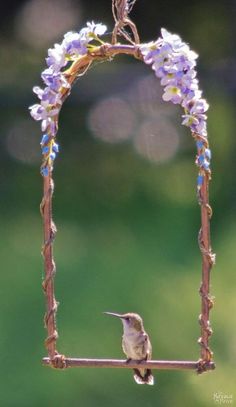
[(174, 63), (74, 45)]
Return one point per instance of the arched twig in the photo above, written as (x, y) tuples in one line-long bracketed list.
[(194, 118)]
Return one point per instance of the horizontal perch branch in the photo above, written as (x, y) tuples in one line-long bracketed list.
[(64, 362)]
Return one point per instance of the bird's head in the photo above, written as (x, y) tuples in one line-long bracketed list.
[(130, 320)]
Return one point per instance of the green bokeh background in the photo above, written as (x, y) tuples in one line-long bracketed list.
[(127, 227)]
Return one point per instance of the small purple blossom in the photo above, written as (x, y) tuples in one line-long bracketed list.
[(55, 147), (173, 94), (44, 171), (53, 156), (75, 43), (47, 95), (50, 125), (42, 112), (97, 29), (54, 80), (56, 57), (45, 150), (208, 153), (200, 180), (38, 112), (45, 139)]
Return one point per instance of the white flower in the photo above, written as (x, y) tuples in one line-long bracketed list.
[(56, 57), (97, 29)]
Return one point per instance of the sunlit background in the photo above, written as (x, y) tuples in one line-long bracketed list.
[(125, 208)]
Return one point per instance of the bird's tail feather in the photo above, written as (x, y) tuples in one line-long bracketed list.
[(143, 377)]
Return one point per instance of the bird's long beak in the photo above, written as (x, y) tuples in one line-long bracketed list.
[(114, 314)]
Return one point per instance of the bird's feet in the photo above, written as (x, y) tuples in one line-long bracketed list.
[(129, 360)]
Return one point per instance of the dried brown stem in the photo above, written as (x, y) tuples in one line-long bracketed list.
[(49, 266), (116, 363), (208, 259), (103, 52), (120, 11)]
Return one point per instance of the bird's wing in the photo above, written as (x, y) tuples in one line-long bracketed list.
[(147, 347)]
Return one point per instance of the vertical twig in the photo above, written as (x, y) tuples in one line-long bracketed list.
[(120, 11), (49, 266), (208, 259)]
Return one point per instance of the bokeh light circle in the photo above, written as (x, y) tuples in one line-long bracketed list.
[(112, 120), (157, 139)]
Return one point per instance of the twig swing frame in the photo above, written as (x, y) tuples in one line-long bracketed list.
[(78, 67)]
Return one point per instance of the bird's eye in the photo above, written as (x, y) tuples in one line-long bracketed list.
[(127, 319)]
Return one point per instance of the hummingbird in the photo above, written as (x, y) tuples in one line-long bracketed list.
[(136, 344)]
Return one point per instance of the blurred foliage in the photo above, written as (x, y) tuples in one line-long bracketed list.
[(127, 227)]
